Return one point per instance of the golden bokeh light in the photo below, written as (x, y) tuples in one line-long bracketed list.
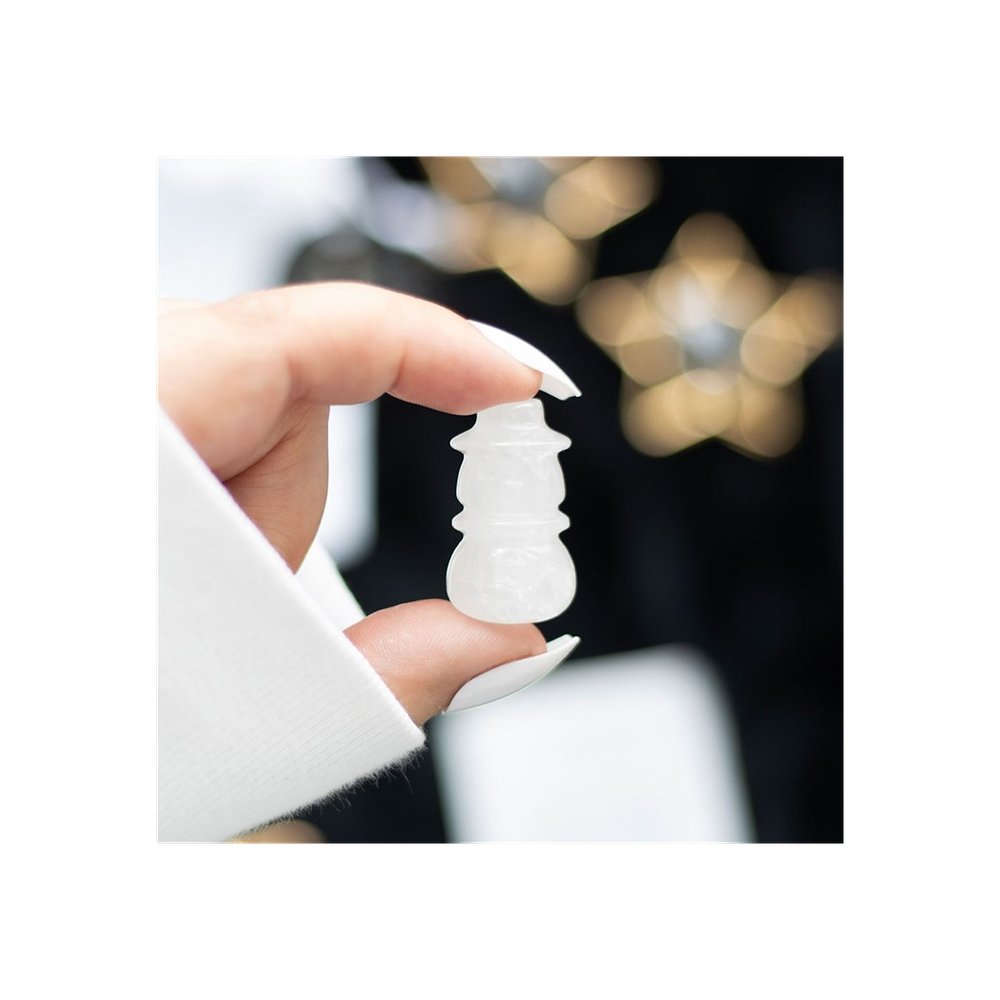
[(536, 218), (711, 238), (770, 422), (527, 247), (608, 313), (598, 194), (619, 313), (711, 344), (681, 297), (458, 176), (772, 360), (816, 305), (648, 420), (649, 362), (747, 294), (705, 401)]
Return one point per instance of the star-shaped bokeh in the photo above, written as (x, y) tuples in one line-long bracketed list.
[(536, 218), (711, 344)]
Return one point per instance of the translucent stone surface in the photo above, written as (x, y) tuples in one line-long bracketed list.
[(511, 566)]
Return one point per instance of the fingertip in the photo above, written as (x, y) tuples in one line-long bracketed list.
[(553, 379), (503, 381), (426, 650)]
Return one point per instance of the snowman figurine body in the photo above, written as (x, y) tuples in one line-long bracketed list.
[(511, 566)]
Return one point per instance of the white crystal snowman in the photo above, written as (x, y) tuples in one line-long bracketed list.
[(511, 565)]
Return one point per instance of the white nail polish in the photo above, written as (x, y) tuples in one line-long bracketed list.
[(554, 380), (510, 677)]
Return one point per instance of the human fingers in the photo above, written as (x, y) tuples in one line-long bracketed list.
[(426, 650), (166, 306), (349, 343), (230, 373)]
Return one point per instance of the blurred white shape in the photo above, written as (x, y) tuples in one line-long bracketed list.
[(406, 216), (348, 526), (232, 225), (632, 747)]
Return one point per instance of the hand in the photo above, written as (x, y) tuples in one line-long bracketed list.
[(249, 383)]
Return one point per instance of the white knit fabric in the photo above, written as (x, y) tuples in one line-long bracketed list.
[(264, 704)]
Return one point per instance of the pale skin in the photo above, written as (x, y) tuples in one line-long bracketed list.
[(249, 383)]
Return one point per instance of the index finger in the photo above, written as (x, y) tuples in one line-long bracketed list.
[(348, 343)]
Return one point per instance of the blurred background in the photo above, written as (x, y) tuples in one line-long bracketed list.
[(698, 305)]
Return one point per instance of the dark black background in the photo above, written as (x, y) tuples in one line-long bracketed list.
[(740, 557)]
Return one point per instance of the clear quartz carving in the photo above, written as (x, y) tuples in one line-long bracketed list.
[(511, 565)]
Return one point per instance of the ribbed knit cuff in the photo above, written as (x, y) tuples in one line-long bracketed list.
[(264, 705)]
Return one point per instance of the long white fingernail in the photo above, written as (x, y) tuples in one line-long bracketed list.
[(554, 380), (510, 677)]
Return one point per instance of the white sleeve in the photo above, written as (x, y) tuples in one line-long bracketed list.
[(264, 704)]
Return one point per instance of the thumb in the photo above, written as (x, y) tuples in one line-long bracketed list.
[(425, 651)]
